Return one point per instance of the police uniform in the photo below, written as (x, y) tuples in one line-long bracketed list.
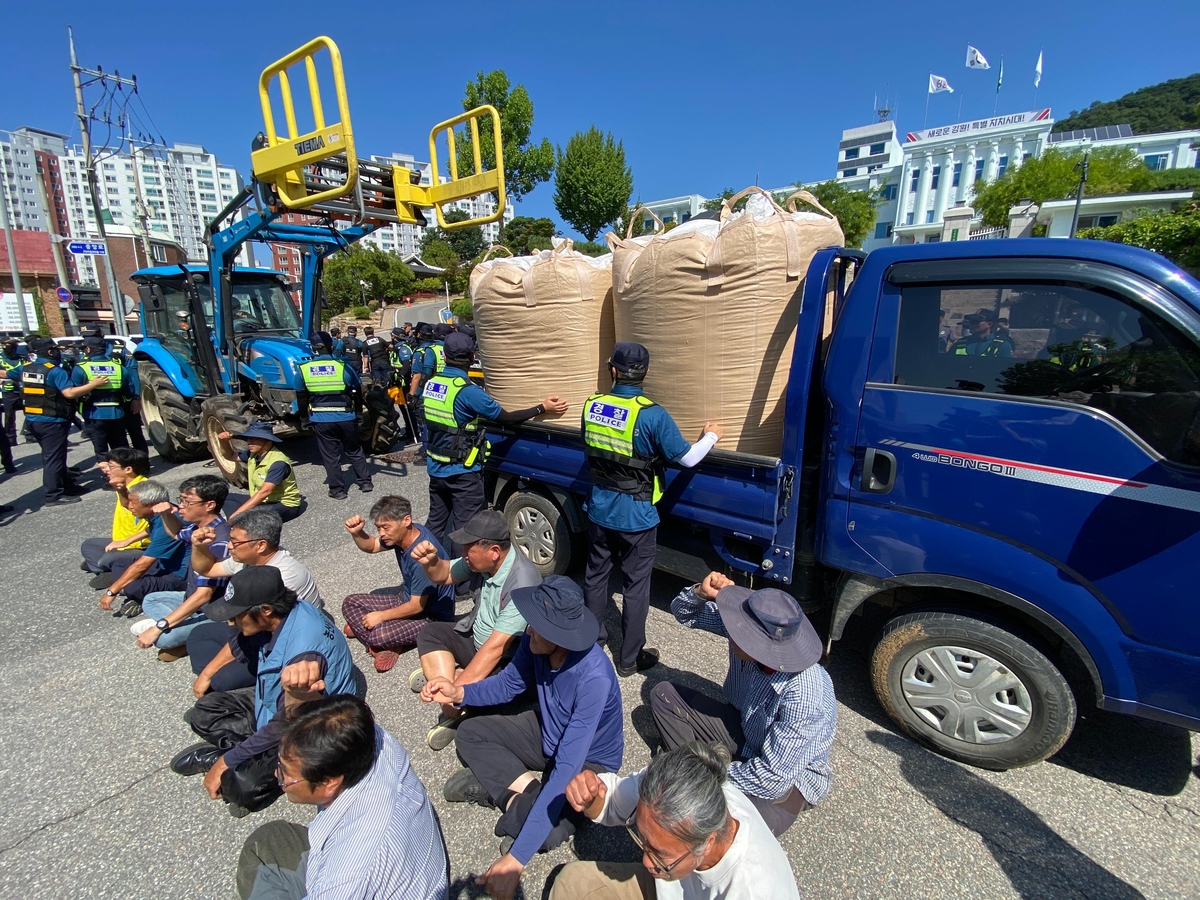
[(352, 350), (104, 408), (331, 387), (48, 414), (378, 353), (9, 390)]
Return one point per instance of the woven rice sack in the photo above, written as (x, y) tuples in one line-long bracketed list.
[(545, 326), (717, 304)]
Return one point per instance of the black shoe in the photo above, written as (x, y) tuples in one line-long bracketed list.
[(646, 659), (83, 566), (75, 470), (339, 494), (238, 812), (195, 759), (75, 491), (63, 500), (464, 787), (366, 486), (103, 581), (4, 508), (130, 609), (10, 468)]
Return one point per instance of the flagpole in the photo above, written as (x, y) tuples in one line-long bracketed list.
[(999, 81), (926, 123), (963, 92)]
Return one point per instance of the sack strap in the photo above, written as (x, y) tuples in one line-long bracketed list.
[(637, 214), (492, 250), (808, 198), (714, 265)]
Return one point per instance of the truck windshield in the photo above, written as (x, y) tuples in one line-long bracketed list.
[(262, 306)]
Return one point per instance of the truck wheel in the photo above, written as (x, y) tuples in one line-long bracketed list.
[(538, 527), (219, 414), (971, 690), (166, 415)]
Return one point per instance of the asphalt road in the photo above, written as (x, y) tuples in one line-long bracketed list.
[(418, 312), (89, 723)]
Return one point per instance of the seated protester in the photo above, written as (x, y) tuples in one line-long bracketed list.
[(173, 614), (375, 835), (130, 535), (298, 655), (475, 646), (700, 836), (388, 624), (578, 724), (269, 473), (163, 563), (779, 722), (253, 541)]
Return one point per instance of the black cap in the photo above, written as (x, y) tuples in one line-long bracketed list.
[(321, 339), (467, 328), (335, 331), (485, 525), (251, 587), (398, 332), (628, 356), (352, 328), (459, 346), (42, 345), (424, 329), (441, 329)]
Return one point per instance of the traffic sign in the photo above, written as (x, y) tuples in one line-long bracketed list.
[(87, 248), (64, 296)]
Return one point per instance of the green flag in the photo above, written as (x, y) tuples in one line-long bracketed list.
[(1000, 76)]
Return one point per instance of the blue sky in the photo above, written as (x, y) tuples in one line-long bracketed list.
[(704, 95)]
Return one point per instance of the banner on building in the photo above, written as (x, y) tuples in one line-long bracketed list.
[(10, 313), (969, 129)]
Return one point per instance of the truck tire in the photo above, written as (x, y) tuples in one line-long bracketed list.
[(971, 690), (219, 414), (166, 415), (538, 527)]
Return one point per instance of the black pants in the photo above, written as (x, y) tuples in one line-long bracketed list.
[(225, 719), (334, 439), (205, 642), (150, 583), (100, 560), (683, 715), (12, 402), (441, 636), (286, 513), (105, 434), (133, 428), (274, 862), (455, 499), (52, 438), (636, 549), (6, 445), (381, 373), (498, 750)]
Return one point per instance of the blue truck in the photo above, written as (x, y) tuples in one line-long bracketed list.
[(1027, 516)]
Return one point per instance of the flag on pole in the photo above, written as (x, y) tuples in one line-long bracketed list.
[(1000, 76), (1037, 72), (975, 59), (938, 84)]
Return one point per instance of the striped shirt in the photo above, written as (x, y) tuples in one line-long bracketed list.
[(379, 838), (788, 719)]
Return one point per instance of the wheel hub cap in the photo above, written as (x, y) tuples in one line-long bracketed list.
[(967, 695), (534, 534)]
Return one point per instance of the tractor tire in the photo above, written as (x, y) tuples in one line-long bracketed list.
[(219, 414), (166, 415)]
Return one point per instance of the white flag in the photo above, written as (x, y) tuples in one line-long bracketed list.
[(975, 59), (938, 84), (1037, 72)]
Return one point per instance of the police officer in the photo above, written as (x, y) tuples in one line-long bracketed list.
[(103, 408), (401, 357), (352, 348), (377, 350), (332, 395), (10, 358), (454, 408), (338, 349), (49, 399), (627, 439), (980, 337)]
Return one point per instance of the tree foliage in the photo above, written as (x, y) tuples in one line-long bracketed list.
[(714, 205), (526, 164), (525, 235), (589, 248), (592, 184), (1170, 106), (1175, 234), (463, 309), (642, 223), (1053, 176), (385, 274), (855, 210), (465, 243)]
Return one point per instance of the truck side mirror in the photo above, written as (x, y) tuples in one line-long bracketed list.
[(151, 296)]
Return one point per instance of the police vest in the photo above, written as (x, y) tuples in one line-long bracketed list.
[(439, 355), (449, 442), (105, 397), (400, 355), (377, 348), (325, 379), (352, 345), (39, 396), (9, 364), (287, 493), (613, 464), (992, 349), (306, 629)]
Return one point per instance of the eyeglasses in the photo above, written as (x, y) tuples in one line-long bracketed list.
[(284, 785), (239, 543), (183, 501), (656, 867)]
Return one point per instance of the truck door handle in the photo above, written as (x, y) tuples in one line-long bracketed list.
[(879, 471)]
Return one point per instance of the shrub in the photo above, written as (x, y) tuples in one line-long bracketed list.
[(462, 308), (361, 312)]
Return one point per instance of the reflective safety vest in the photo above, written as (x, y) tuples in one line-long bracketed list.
[(613, 464), (992, 349), (106, 396), (9, 364), (439, 354), (287, 493), (41, 398), (400, 355), (325, 379), (449, 442)]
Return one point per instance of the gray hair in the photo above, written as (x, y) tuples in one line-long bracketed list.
[(150, 493), (259, 525), (682, 789)]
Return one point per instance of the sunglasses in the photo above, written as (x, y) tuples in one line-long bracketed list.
[(657, 868)]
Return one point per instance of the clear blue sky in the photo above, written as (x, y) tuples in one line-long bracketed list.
[(704, 95)]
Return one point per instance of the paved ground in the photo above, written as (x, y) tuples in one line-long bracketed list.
[(88, 723)]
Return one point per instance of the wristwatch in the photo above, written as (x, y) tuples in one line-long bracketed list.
[(109, 593), (163, 625)]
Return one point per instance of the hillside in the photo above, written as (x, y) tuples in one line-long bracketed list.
[(1171, 106)]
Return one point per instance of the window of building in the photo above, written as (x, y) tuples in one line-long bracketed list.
[(883, 230), (1003, 167), (110, 178), (1072, 343), (1025, 156), (929, 214), (957, 174), (937, 176), (908, 218), (206, 184), (979, 164), (852, 153), (912, 182), (158, 252), (874, 168), (109, 167), (889, 192), (933, 238), (876, 149), (1156, 162), (1099, 221), (849, 173), (206, 196)]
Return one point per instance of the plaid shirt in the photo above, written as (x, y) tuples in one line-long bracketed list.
[(788, 719)]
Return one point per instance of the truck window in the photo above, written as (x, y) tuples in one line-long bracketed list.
[(1067, 342)]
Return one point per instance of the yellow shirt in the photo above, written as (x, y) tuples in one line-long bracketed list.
[(125, 524)]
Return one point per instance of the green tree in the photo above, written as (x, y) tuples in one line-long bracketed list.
[(855, 210), (466, 243), (385, 275), (1174, 234), (525, 236), (1169, 106), (715, 204), (526, 164), (642, 223), (592, 184), (463, 308), (1053, 176), (589, 248)]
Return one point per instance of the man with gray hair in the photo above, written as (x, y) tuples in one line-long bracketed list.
[(164, 560), (699, 835)]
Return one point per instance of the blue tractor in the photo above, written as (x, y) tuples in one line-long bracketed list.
[(223, 342)]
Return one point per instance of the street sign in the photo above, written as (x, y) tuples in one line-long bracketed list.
[(446, 316), (64, 296), (87, 248)]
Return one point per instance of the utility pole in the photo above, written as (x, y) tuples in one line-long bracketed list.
[(12, 263), (56, 251), (1082, 168), (114, 291)]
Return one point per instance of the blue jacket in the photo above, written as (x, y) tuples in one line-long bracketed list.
[(304, 630)]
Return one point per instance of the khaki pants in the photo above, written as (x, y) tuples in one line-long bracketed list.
[(603, 881)]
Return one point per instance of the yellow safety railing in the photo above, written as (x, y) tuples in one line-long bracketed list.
[(480, 182), (283, 160)]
